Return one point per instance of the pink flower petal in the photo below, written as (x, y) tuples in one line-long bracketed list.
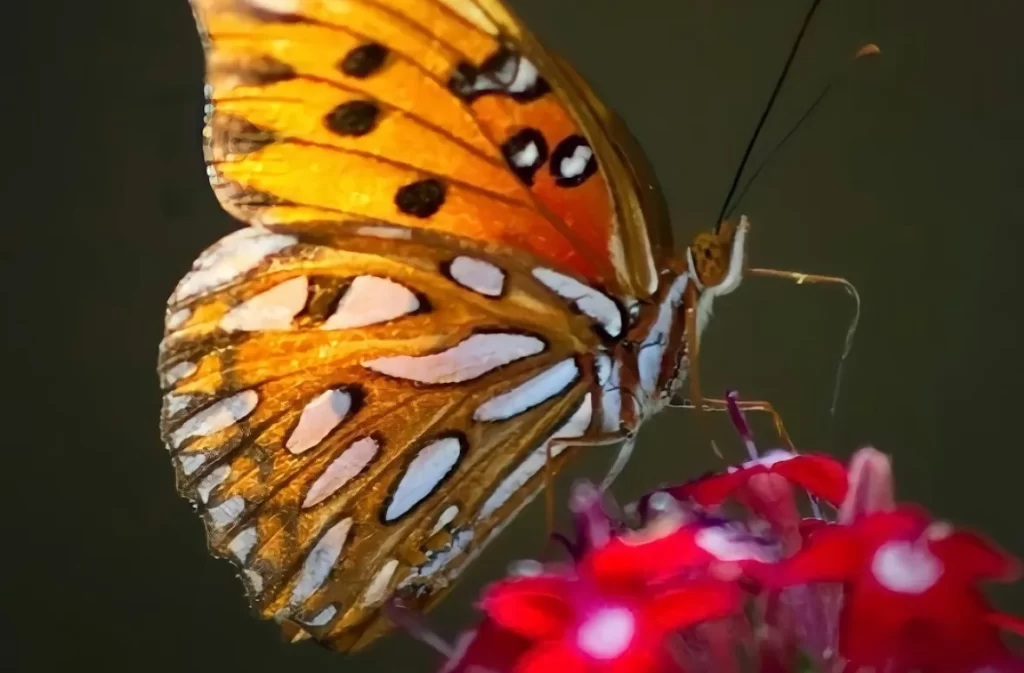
[(533, 607)]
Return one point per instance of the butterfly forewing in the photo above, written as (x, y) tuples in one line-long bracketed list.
[(423, 113), (353, 412)]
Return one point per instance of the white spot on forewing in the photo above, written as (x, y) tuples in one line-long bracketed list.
[(190, 462), (318, 418), (370, 300), (229, 258), (526, 77), (574, 166), (652, 349), (212, 481), (377, 591), (468, 360), (905, 567), (226, 512), (320, 560), (221, 415), (243, 543), (607, 632), (178, 372), (574, 427), (477, 275), (526, 157), (426, 471), (271, 310), (323, 617), (539, 389), (592, 303), (177, 319), (447, 516), (341, 470)]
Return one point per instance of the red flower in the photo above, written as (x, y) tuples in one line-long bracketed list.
[(594, 622), (911, 600), (821, 475)]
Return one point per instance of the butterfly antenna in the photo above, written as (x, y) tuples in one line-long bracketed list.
[(767, 110), (866, 50)]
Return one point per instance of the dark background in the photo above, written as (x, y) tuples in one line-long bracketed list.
[(906, 181)]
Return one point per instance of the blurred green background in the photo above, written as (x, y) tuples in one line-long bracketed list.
[(906, 181)]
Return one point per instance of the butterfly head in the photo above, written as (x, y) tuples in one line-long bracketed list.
[(715, 259)]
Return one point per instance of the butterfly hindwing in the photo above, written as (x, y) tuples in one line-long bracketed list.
[(355, 408), (437, 114)]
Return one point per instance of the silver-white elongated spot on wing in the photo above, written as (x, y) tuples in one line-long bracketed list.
[(320, 560), (228, 259), (477, 275), (465, 361), (341, 470), (533, 463), (318, 419), (273, 309), (597, 305), (537, 390), (220, 415), (425, 473), (371, 300)]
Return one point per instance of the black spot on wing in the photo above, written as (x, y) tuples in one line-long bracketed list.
[(526, 151), (421, 199), (438, 483), (505, 73), (364, 60), (354, 118), (573, 161)]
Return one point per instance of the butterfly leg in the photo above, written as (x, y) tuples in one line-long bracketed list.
[(761, 406), (603, 439)]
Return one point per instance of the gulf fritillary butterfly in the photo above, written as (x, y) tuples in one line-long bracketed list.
[(458, 259)]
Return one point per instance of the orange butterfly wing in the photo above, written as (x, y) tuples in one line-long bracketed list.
[(315, 364), (425, 113), (350, 421)]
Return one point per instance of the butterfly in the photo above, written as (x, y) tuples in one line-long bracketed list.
[(457, 271)]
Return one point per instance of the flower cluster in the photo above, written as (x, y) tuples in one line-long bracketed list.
[(724, 574)]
